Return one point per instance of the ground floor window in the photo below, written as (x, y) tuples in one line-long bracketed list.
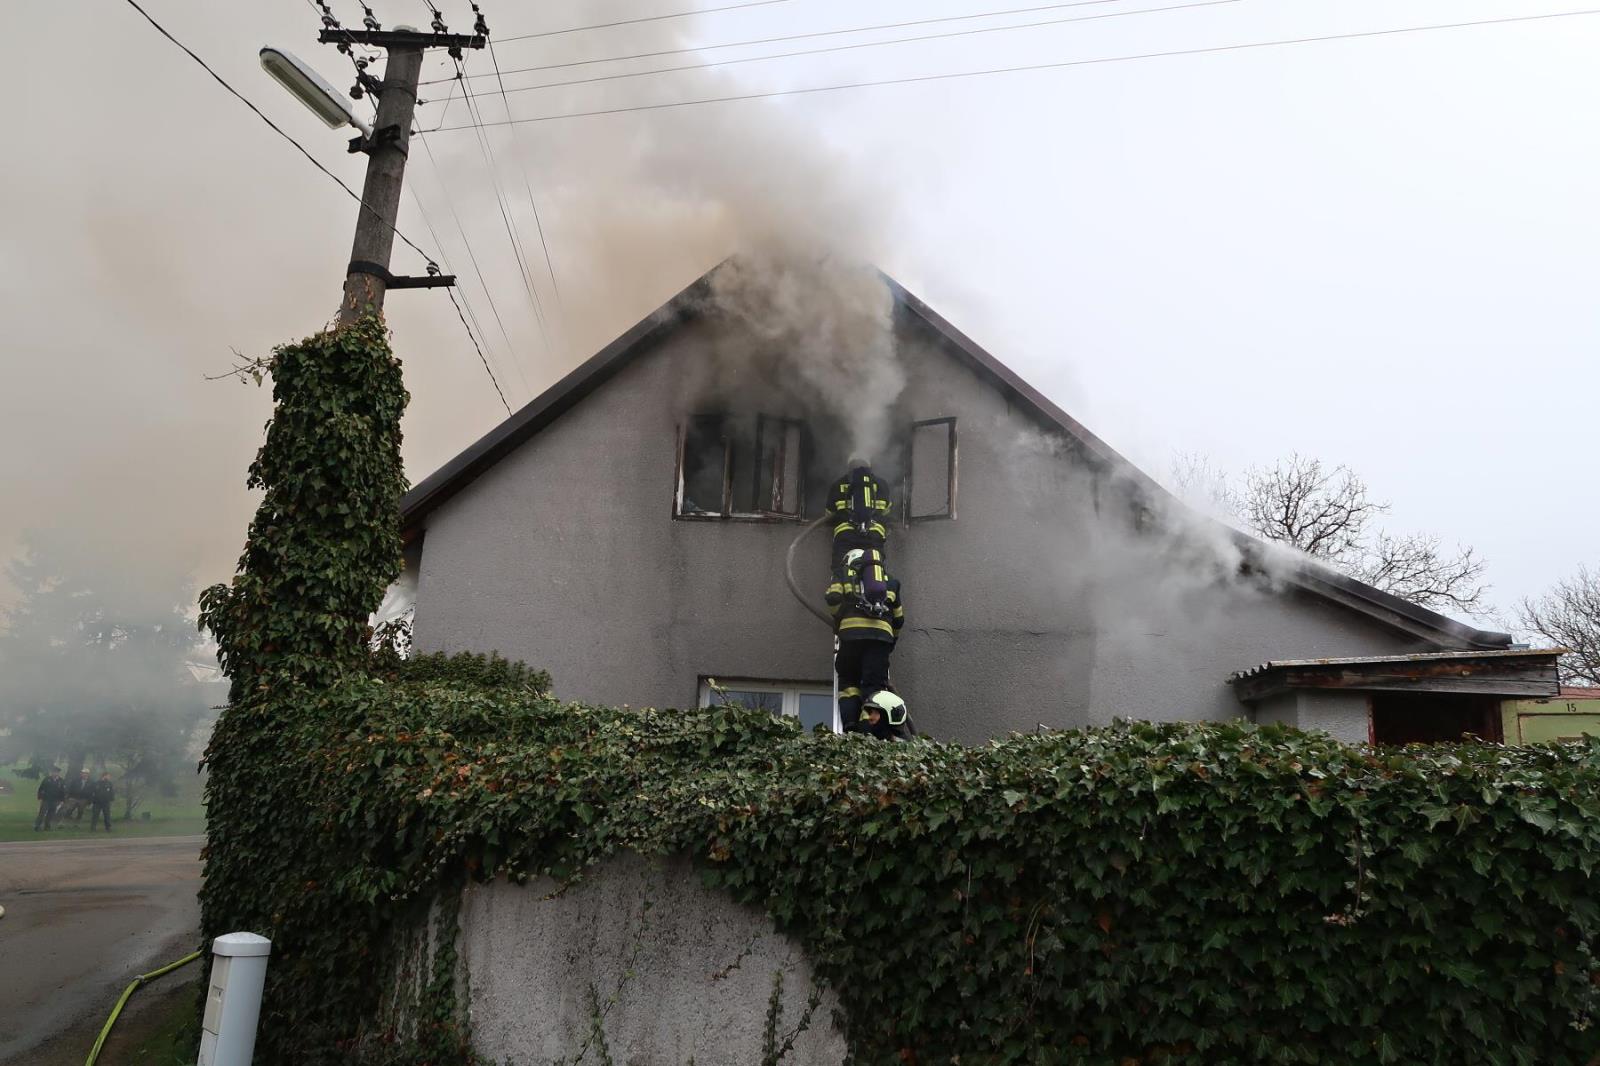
[(811, 702)]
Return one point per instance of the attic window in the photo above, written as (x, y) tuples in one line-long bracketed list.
[(932, 482), (741, 466)]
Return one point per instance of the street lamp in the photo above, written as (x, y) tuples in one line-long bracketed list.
[(308, 87)]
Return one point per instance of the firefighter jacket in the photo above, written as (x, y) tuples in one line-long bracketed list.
[(859, 510), (855, 618)]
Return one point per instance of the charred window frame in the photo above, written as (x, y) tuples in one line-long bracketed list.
[(931, 478), (725, 472)]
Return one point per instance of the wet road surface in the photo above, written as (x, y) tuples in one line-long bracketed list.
[(83, 917)]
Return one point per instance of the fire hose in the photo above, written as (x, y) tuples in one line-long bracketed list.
[(794, 587), (122, 1001), (788, 573)]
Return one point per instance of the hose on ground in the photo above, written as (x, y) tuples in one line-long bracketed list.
[(122, 1001), (788, 572)]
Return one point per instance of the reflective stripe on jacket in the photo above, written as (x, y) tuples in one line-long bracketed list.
[(853, 619), (858, 504)]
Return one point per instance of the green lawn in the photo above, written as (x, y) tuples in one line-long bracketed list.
[(158, 816)]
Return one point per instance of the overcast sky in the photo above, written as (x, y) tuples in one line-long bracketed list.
[(1378, 251)]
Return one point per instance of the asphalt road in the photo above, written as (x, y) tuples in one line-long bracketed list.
[(82, 919)]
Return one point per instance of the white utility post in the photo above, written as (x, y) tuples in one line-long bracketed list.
[(233, 1002)]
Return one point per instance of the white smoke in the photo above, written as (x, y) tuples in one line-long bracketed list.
[(828, 324), (638, 205)]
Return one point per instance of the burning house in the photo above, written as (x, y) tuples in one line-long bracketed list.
[(630, 530)]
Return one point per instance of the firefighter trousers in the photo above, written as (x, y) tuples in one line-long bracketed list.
[(863, 668)]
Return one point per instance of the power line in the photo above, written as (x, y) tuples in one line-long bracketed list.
[(871, 44), (472, 257), (476, 324), (220, 80), (444, 112), (648, 18), (817, 33), (527, 182), (506, 218), (479, 350), (1041, 66)]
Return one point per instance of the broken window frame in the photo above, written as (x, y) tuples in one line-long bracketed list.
[(781, 490), (781, 494), (949, 513)]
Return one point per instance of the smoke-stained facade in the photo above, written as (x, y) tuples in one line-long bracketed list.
[(590, 534)]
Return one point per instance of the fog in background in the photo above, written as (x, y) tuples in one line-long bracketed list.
[(1379, 252)]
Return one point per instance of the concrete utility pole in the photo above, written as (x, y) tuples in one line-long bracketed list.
[(368, 278)]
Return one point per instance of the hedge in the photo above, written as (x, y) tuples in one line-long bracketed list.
[(1207, 893)]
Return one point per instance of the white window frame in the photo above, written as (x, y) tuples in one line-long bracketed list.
[(791, 690)]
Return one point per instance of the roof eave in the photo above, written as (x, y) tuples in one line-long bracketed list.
[(1514, 674), (545, 408)]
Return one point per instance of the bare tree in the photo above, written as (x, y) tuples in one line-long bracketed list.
[(1416, 567), (1327, 513), (1323, 512), (1203, 485), (1569, 617)]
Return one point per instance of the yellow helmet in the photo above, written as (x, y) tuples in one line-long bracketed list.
[(886, 703)]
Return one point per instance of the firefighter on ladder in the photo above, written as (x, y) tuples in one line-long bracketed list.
[(859, 510), (865, 631)]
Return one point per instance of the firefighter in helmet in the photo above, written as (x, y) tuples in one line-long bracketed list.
[(859, 511), (884, 715), (866, 629)]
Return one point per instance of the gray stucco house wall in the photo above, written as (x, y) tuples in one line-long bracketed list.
[(1068, 589)]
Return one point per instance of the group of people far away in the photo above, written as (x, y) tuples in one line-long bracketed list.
[(868, 609), (62, 801)]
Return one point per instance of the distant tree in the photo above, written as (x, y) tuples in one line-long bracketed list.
[(1568, 616), (1328, 513), (94, 665)]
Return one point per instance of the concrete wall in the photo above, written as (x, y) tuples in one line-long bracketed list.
[(1344, 715), (702, 972), (1037, 604)]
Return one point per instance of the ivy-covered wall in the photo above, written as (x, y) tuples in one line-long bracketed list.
[(1181, 893)]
